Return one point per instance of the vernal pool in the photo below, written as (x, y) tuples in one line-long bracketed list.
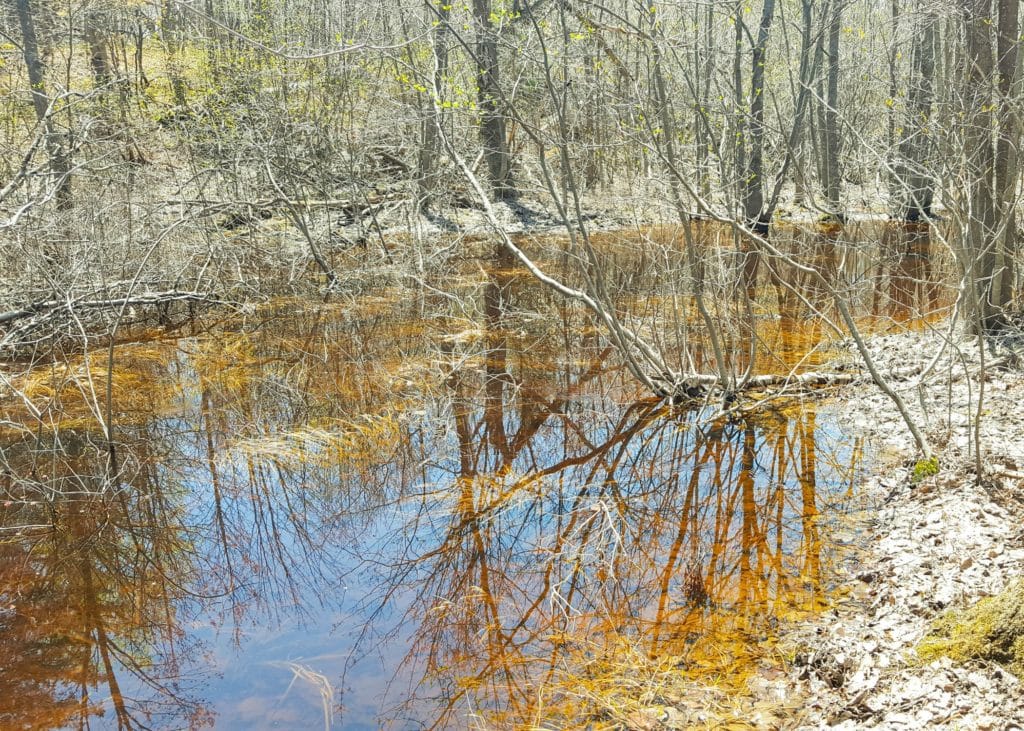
[(362, 515)]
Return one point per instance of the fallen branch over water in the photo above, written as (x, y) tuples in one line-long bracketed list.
[(696, 384), (26, 321), (238, 212)]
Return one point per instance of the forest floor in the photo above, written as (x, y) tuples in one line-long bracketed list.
[(932, 544)]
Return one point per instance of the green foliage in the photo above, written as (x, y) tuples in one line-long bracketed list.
[(924, 469)]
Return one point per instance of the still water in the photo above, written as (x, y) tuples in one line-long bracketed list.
[(400, 511)]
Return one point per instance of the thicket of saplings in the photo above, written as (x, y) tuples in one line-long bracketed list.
[(163, 160)]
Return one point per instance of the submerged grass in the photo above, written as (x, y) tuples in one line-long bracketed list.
[(318, 681), (73, 393), (629, 687)]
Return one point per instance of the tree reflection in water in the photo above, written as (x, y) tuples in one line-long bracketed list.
[(551, 560), (477, 502), (574, 532), (93, 578)]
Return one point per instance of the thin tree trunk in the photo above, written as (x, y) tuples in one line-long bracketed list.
[(704, 65), (754, 214), (810, 62), (99, 60), (1007, 140), (427, 178), (915, 187), (753, 181), (739, 104), (170, 27), (979, 248)]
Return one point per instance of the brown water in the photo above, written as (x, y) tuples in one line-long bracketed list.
[(404, 512)]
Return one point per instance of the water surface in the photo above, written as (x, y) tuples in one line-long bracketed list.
[(406, 510)]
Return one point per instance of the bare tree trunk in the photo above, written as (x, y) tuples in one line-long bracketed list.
[(915, 187), (492, 119), (1007, 139), (753, 181), (170, 26), (831, 137), (894, 54), (60, 167), (704, 64), (95, 38), (427, 175), (980, 243), (755, 216), (739, 104), (810, 62)]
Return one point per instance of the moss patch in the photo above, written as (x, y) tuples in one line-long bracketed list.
[(924, 469), (993, 629)]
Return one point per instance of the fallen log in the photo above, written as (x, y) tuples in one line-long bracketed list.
[(697, 384), (242, 209), (146, 298), (52, 320)]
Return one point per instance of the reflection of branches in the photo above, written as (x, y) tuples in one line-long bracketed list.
[(136, 553), (548, 546), (97, 580), (547, 523), (196, 526)]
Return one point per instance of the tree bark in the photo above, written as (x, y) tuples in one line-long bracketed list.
[(60, 168), (832, 179), (492, 119), (95, 37), (1007, 140), (980, 243), (915, 186), (753, 181), (754, 214), (427, 176)]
